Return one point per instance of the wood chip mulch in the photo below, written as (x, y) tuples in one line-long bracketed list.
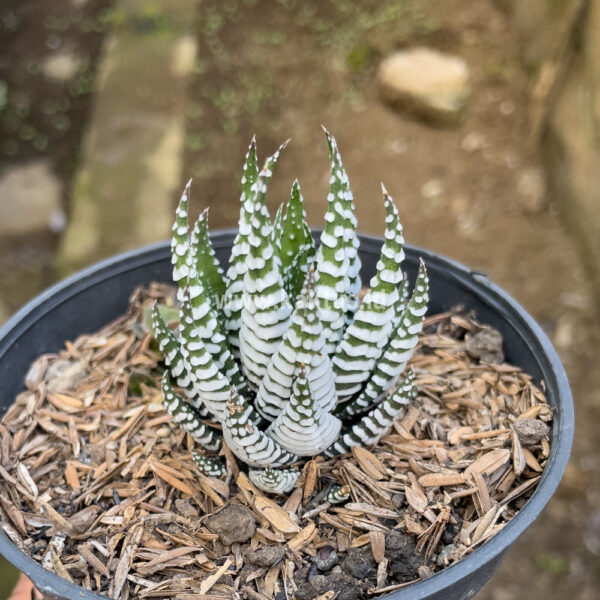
[(98, 484)]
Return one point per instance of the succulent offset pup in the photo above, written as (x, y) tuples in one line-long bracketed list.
[(279, 351)]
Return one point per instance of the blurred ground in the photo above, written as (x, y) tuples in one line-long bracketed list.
[(280, 68)]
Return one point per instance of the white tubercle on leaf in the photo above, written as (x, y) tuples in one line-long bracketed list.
[(375, 424), (304, 427), (365, 339), (272, 481), (180, 242), (266, 308), (247, 441), (303, 343), (186, 416), (399, 350)]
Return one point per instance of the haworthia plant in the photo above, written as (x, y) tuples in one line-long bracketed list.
[(278, 353)]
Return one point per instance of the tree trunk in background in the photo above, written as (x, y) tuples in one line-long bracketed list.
[(561, 45)]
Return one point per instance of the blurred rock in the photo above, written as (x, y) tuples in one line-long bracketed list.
[(485, 345), (430, 84), (432, 189), (531, 186), (474, 141), (61, 66), (31, 198)]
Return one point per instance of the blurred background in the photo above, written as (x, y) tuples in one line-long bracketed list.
[(480, 116)]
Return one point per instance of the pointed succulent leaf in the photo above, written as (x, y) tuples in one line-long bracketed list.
[(213, 388), (295, 276), (303, 343), (232, 308), (170, 348), (208, 330), (272, 481), (209, 466), (180, 242), (304, 427), (185, 415), (338, 494), (247, 441), (203, 260), (253, 203), (266, 308), (295, 236), (340, 189), (365, 339), (398, 352), (374, 425), (276, 232)]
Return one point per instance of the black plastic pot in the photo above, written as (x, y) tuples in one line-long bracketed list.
[(90, 299)]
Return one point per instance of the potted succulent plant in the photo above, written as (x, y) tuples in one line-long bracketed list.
[(285, 357)]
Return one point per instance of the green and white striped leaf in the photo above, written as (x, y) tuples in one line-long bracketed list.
[(375, 424), (180, 242), (338, 494), (204, 261), (208, 329), (266, 308), (332, 269), (232, 308), (304, 427), (365, 339), (210, 385), (303, 343), (247, 441), (399, 350), (209, 466), (170, 347), (277, 227), (340, 188), (185, 415), (272, 481), (295, 245)]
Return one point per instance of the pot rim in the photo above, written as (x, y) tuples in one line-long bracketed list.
[(563, 429)]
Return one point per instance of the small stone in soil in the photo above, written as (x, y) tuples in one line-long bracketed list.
[(235, 523), (359, 563), (400, 549), (326, 558), (531, 431), (185, 509), (449, 554), (63, 375), (424, 572), (485, 346), (265, 557), (398, 501), (345, 587)]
